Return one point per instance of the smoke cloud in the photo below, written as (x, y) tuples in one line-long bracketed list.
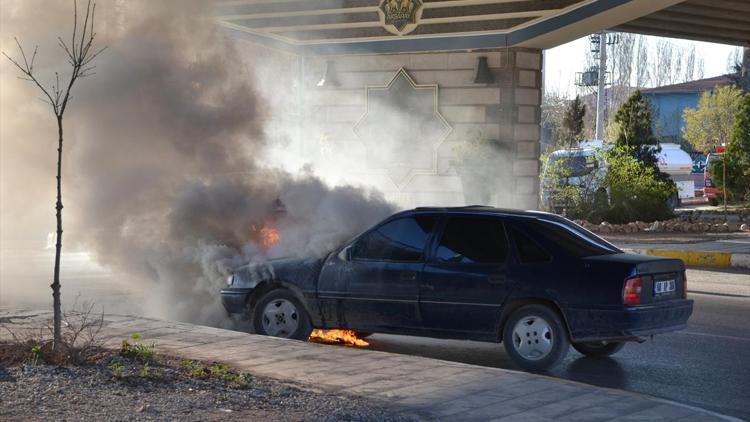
[(165, 178)]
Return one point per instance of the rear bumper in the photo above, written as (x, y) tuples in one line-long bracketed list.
[(628, 323), (234, 300)]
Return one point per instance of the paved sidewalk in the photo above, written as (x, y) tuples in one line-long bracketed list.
[(426, 388)]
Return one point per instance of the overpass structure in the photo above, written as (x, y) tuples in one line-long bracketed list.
[(405, 85)]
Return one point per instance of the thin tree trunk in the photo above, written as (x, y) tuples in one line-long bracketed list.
[(58, 246)]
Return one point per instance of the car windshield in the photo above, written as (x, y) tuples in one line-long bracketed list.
[(578, 165)]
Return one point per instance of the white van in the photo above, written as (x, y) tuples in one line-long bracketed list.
[(677, 163), (585, 168)]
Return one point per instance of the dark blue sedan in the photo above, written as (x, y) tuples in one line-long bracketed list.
[(535, 281)]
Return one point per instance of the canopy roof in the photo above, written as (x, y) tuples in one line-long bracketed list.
[(382, 26)]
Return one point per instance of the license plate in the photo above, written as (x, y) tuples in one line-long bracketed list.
[(664, 287)]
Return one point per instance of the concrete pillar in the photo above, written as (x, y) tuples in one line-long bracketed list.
[(507, 111)]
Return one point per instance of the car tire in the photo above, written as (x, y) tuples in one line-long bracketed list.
[(279, 313), (599, 348), (535, 337), (714, 202)]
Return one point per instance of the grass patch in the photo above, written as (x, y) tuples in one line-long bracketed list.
[(137, 350), (195, 369)]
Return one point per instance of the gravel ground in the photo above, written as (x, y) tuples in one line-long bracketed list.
[(167, 392)]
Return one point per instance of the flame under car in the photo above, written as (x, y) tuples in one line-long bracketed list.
[(535, 281)]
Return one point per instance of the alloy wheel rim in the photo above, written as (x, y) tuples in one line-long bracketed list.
[(280, 318), (533, 338)]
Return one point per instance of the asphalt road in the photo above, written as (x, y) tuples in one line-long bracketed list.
[(707, 365)]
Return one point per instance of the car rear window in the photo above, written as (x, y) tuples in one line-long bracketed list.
[(571, 241), (529, 251), (403, 239), (473, 240)]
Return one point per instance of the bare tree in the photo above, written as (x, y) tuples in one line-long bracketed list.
[(623, 59), (700, 70), (690, 67), (664, 63), (642, 76), (734, 57), (80, 52), (553, 111)]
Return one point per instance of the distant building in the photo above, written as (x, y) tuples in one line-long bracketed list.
[(670, 101)]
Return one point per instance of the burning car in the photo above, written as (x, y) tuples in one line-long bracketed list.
[(535, 281)]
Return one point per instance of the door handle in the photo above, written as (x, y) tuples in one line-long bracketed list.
[(408, 275), (496, 278)]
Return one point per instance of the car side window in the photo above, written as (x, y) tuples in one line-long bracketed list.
[(529, 251), (473, 240), (403, 240), (570, 241)]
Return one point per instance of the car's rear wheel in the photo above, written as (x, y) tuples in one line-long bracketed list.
[(599, 348), (535, 337), (280, 314)]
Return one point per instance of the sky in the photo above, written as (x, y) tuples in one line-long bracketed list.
[(561, 63)]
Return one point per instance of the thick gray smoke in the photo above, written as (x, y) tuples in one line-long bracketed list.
[(162, 178)]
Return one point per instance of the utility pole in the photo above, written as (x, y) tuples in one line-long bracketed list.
[(600, 93)]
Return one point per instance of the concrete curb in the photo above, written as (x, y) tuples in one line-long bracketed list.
[(427, 388), (709, 259)]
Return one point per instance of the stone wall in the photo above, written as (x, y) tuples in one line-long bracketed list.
[(506, 112)]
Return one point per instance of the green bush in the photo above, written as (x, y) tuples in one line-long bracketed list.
[(585, 199), (636, 190), (737, 157)]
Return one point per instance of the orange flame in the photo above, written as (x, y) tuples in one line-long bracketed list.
[(266, 236), (345, 337), (269, 237)]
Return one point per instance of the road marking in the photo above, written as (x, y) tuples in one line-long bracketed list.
[(713, 335), (715, 293)]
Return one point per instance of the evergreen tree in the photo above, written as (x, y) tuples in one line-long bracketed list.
[(634, 129), (737, 155), (573, 122)]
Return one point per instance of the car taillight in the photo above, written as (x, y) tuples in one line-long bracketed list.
[(631, 294), (684, 285)]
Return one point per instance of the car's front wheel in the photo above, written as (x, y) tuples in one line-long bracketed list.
[(599, 348), (535, 337), (280, 314)]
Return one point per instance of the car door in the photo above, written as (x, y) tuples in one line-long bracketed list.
[(465, 280), (386, 264)]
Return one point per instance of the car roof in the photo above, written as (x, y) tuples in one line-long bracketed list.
[(483, 209)]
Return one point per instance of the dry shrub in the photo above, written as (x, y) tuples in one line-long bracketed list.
[(81, 340)]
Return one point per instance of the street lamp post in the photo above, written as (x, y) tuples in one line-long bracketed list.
[(724, 179)]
